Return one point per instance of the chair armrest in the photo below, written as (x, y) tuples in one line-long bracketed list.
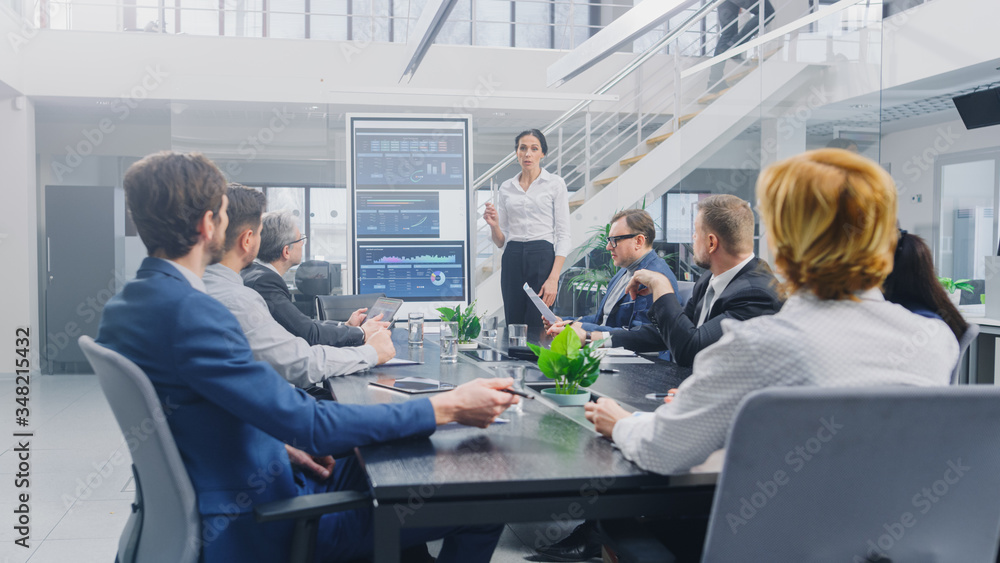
[(309, 506)]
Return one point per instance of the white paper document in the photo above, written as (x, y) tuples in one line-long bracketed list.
[(542, 307)]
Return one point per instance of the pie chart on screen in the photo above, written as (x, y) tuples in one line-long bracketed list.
[(437, 277)]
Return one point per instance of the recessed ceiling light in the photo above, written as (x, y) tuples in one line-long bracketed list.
[(500, 114), (313, 107)]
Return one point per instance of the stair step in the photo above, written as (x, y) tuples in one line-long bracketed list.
[(712, 96), (657, 140), (574, 205), (732, 80), (685, 118), (631, 161), (604, 181)]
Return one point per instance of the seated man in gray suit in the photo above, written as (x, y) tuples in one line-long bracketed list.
[(281, 245)]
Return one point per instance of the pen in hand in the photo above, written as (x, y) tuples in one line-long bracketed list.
[(516, 392)]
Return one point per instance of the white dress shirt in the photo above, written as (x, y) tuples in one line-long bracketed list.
[(541, 213), (191, 277), (298, 362), (810, 341), (717, 285)]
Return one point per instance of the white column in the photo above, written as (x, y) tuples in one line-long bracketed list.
[(780, 138), (18, 231)]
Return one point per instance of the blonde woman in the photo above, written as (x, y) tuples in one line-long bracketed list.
[(830, 218)]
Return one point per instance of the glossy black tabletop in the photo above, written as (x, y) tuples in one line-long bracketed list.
[(544, 449)]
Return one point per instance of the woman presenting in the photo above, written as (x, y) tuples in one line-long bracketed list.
[(532, 219)]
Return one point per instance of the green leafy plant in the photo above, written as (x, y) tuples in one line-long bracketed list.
[(468, 322), (950, 286), (569, 363)]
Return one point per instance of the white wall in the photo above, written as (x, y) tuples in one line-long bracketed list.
[(14, 35), (937, 38), (18, 230), (912, 156)]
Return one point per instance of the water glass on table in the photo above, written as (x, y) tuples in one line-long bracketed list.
[(449, 342), (515, 372), (517, 335), (416, 329), (490, 330)]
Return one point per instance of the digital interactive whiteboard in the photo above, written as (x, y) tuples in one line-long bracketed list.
[(410, 182)]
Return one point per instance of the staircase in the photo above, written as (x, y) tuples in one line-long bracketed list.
[(613, 156)]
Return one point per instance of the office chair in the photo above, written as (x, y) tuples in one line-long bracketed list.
[(340, 307), (165, 524), (968, 336), (859, 474), (684, 291)]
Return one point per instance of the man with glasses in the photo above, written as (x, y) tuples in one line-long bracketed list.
[(630, 242), (281, 247)]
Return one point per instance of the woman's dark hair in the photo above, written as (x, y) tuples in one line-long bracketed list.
[(536, 134), (913, 282)]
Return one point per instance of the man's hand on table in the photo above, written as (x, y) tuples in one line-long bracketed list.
[(563, 325), (321, 467), (476, 403), (381, 341), (605, 413)]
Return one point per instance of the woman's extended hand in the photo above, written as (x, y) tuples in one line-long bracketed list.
[(491, 216), (549, 290)]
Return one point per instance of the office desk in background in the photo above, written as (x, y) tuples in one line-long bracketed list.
[(546, 463), (980, 367)]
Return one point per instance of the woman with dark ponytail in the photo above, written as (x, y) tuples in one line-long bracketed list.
[(913, 284)]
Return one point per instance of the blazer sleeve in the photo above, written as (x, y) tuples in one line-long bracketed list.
[(645, 338), (294, 321), (685, 340), (214, 359)]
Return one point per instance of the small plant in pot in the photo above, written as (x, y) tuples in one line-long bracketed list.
[(571, 365), (954, 288), (468, 324)]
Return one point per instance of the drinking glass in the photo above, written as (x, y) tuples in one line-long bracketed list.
[(449, 342), (490, 329), (416, 329), (517, 335), (515, 372)]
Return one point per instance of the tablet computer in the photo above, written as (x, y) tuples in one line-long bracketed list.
[(386, 307), (413, 385)]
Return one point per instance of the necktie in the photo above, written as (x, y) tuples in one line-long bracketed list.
[(614, 294), (706, 304)]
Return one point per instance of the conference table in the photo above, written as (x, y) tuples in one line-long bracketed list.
[(545, 464)]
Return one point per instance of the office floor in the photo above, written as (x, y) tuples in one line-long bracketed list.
[(80, 485)]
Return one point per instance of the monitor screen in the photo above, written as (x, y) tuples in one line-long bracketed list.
[(412, 271)]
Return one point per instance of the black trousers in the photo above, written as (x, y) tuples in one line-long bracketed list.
[(522, 262)]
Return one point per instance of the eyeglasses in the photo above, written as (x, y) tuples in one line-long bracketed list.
[(295, 241), (613, 241)]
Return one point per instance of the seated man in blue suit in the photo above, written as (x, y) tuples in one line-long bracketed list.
[(234, 414), (630, 242)]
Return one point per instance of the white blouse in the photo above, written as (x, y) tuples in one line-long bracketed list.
[(813, 342), (541, 213)]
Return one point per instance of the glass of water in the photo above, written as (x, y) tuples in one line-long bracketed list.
[(416, 329), (490, 329), (515, 372), (517, 335), (449, 342)]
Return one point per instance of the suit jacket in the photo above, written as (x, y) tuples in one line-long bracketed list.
[(231, 415), (628, 313), (750, 294), (272, 288)]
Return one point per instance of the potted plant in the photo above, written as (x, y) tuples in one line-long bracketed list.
[(468, 324), (571, 365), (955, 288)]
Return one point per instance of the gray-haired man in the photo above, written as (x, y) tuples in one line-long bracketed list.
[(281, 246)]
